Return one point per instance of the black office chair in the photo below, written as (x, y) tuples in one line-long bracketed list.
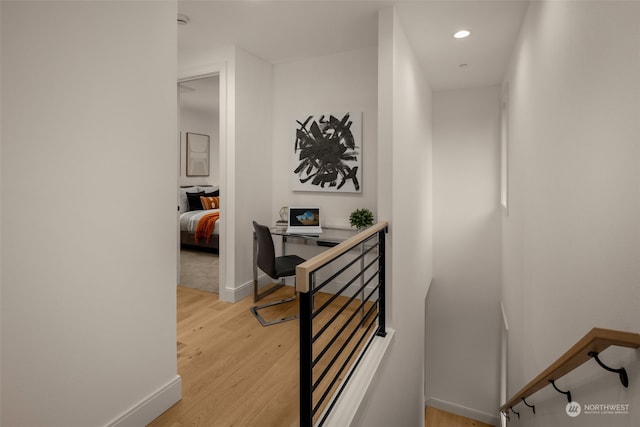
[(276, 267)]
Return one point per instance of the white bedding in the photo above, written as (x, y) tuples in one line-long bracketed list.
[(189, 220)]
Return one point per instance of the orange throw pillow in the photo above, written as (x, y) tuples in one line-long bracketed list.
[(209, 202)]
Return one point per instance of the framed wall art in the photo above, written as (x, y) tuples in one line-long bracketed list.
[(327, 153), (197, 154)]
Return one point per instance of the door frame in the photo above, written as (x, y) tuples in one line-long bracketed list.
[(226, 248)]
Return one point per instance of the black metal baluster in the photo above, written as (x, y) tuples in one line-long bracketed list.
[(306, 356), (382, 331)]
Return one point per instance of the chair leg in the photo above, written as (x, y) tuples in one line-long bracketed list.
[(263, 322)]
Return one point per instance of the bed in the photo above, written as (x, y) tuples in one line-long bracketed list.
[(200, 217)]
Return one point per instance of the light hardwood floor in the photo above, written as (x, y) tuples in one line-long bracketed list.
[(439, 418), (236, 372)]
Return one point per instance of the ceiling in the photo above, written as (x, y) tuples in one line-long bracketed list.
[(199, 97), (284, 31)]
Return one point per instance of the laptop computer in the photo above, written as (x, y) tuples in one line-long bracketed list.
[(304, 221)]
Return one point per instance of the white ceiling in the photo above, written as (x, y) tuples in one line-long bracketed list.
[(494, 27), (283, 31), (200, 96)]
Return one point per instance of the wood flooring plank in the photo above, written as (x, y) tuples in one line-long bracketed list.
[(438, 418), (234, 371)]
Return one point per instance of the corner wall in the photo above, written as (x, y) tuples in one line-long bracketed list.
[(463, 306), (571, 241), (88, 142), (404, 188), (253, 170)]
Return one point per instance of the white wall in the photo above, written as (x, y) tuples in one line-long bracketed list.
[(317, 86), (571, 242), (202, 121), (404, 167), (88, 140), (463, 310), (252, 160)]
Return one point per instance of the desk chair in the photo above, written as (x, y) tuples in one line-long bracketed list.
[(275, 267)]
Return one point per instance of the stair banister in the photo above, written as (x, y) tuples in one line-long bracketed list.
[(589, 347)]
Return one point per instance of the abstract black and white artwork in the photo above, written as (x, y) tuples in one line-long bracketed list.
[(328, 153)]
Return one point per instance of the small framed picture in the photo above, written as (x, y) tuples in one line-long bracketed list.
[(197, 154)]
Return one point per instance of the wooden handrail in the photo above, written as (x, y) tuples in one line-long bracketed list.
[(303, 270), (597, 340)]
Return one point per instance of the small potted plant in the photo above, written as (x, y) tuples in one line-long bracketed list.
[(361, 219)]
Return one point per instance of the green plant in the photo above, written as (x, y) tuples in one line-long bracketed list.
[(361, 218)]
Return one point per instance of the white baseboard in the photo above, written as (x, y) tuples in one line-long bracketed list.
[(152, 406), (463, 411), (246, 289), (236, 294), (242, 291)]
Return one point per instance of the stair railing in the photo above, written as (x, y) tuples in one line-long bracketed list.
[(589, 347), (337, 327)]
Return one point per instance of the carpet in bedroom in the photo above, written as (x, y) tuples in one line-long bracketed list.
[(199, 270)]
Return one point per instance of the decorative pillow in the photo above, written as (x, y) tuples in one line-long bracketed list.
[(210, 202), (194, 201), (212, 193), (184, 202)]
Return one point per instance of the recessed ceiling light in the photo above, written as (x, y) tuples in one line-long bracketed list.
[(183, 19), (462, 34)]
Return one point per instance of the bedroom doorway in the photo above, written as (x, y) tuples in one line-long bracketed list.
[(199, 157)]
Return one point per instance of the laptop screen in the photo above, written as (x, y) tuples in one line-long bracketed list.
[(304, 217)]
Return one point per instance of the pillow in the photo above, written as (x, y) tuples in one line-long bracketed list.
[(194, 201), (212, 193), (184, 201), (208, 188), (210, 202)]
